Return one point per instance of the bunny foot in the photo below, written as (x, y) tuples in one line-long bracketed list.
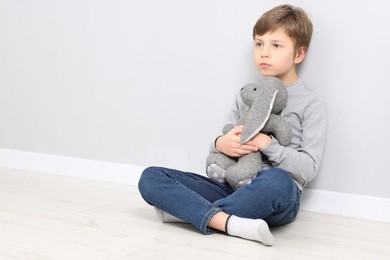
[(243, 183), (216, 173)]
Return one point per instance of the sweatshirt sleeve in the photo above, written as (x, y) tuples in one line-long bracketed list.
[(303, 160)]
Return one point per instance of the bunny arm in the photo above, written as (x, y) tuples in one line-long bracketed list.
[(227, 128), (279, 128)]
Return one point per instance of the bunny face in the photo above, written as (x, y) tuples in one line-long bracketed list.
[(261, 90)]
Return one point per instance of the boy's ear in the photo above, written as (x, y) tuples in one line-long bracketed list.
[(300, 55)]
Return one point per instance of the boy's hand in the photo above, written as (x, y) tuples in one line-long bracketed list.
[(229, 143), (261, 140)]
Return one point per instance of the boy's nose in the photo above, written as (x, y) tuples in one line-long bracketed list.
[(264, 52)]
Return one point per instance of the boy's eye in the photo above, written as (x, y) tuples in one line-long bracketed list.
[(258, 44), (277, 45)]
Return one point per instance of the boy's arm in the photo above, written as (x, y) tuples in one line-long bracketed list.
[(303, 162)]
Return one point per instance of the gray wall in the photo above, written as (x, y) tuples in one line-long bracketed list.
[(150, 82)]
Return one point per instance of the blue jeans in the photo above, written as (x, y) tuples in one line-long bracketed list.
[(272, 196)]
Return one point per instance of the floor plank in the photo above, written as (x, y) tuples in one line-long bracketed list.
[(46, 216)]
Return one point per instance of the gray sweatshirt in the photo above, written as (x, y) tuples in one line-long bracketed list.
[(306, 114)]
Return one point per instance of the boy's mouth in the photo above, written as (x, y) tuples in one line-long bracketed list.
[(264, 65)]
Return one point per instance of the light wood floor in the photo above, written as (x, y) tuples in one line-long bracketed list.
[(45, 216)]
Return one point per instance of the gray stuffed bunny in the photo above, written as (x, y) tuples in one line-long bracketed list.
[(266, 100)]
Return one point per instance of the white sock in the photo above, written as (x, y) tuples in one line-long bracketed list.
[(252, 229), (166, 217)]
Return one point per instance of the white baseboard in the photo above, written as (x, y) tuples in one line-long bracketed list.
[(336, 203), (346, 204), (71, 166)]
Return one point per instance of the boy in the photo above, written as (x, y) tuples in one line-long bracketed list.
[(281, 38)]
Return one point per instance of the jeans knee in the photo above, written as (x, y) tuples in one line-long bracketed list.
[(279, 183), (146, 181), (276, 177)]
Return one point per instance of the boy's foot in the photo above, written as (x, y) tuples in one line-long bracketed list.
[(252, 229), (166, 217)]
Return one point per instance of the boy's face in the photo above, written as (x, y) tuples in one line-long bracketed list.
[(275, 55)]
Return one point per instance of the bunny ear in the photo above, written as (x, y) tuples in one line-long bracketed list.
[(258, 113)]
